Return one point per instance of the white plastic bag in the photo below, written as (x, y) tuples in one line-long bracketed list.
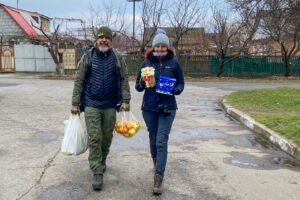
[(75, 140)]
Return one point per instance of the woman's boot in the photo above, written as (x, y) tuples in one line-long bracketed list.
[(157, 188)]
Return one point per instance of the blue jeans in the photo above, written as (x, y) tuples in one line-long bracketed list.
[(159, 126)]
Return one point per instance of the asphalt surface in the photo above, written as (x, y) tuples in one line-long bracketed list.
[(210, 155)]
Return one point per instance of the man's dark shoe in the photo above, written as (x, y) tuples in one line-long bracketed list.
[(157, 188), (103, 163), (98, 182)]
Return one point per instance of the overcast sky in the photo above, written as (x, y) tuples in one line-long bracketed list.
[(62, 8), (73, 8), (80, 8)]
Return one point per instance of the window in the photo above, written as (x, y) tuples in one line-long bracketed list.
[(36, 19)]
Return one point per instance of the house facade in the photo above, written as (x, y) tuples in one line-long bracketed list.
[(268, 47), (18, 53)]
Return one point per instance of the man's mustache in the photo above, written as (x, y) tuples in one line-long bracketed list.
[(103, 43)]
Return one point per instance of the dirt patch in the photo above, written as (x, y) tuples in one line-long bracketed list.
[(59, 77)]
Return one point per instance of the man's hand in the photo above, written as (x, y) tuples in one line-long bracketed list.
[(125, 107), (75, 110)]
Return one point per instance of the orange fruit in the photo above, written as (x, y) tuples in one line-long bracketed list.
[(129, 125)]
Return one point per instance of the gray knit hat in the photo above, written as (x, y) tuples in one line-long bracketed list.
[(160, 38)]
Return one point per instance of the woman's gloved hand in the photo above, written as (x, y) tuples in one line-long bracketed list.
[(142, 84), (175, 91)]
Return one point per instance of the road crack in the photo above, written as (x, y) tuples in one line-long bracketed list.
[(46, 166)]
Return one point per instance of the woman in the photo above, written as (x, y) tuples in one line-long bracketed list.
[(158, 109)]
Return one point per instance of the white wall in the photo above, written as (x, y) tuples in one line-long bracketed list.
[(33, 58)]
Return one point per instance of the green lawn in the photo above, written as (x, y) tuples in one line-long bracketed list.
[(278, 109)]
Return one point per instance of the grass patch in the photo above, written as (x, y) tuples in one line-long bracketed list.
[(277, 108)]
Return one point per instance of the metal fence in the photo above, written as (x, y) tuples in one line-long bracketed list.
[(256, 66), (242, 66), (191, 65), (33, 58)]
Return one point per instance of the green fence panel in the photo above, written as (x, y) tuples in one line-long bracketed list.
[(209, 65), (255, 66), (133, 64), (191, 65), (195, 65)]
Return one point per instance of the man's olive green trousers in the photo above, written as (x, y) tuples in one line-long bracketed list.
[(100, 125)]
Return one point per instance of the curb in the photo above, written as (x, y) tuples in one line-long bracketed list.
[(262, 130)]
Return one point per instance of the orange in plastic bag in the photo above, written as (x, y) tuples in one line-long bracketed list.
[(127, 128)]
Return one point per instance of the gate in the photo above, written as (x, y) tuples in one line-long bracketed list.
[(69, 58), (7, 63)]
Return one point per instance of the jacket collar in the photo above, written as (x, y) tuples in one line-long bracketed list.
[(149, 54)]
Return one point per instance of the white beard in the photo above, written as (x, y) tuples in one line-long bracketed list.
[(103, 49)]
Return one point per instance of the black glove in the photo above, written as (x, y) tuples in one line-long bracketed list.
[(175, 91), (142, 84)]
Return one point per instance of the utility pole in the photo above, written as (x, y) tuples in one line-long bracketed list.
[(133, 28), (17, 3)]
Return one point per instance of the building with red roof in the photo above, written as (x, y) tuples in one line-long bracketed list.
[(18, 22), (17, 52)]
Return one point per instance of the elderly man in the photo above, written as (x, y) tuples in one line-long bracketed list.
[(101, 87)]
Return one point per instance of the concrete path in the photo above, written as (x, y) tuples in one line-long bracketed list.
[(210, 155)]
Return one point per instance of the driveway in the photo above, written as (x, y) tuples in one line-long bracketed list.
[(210, 155)]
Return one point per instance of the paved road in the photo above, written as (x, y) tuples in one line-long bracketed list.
[(210, 155)]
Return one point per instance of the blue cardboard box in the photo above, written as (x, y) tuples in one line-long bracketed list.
[(165, 85)]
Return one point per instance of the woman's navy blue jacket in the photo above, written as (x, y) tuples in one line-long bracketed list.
[(169, 67)]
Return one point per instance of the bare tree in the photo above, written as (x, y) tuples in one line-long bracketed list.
[(183, 16), (230, 40), (110, 14), (280, 23), (152, 12), (51, 41), (70, 31)]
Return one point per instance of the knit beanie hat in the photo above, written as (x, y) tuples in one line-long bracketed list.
[(104, 31), (160, 38)]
